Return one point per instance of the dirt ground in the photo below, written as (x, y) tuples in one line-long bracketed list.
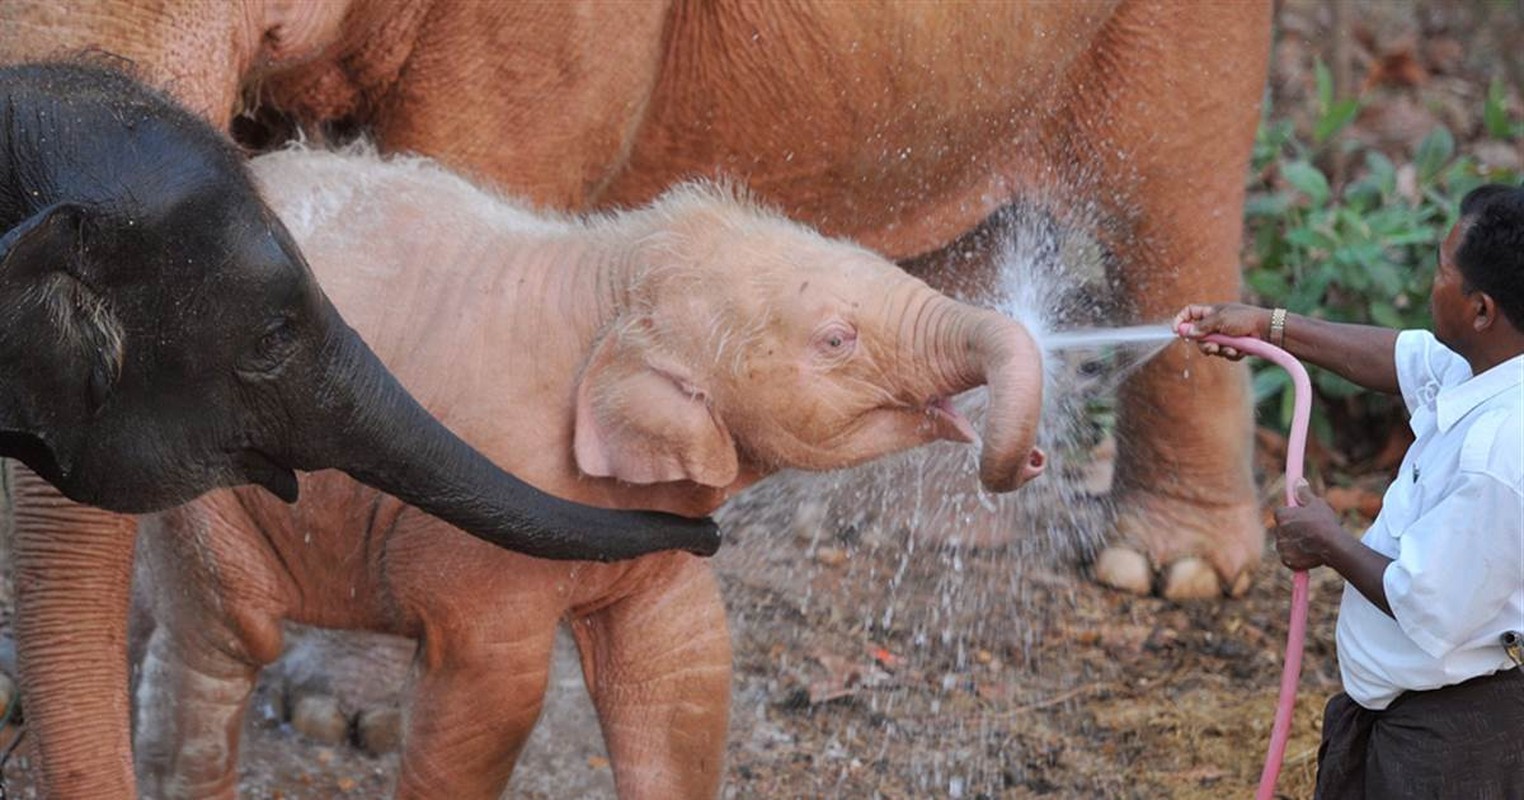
[(870, 663), (886, 647)]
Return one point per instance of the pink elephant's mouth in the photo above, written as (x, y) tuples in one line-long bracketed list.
[(948, 423)]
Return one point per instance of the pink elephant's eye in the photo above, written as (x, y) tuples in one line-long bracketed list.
[(836, 339)]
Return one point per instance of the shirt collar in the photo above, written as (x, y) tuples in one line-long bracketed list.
[(1455, 402)]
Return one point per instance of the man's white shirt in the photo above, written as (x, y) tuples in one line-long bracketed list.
[(1453, 521)]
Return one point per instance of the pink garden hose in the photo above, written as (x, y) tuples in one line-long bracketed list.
[(1296, 450)]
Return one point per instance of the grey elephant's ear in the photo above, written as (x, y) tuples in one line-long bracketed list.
[(46, 253), (49, 240)]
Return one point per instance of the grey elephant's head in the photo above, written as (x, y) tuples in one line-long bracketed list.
[(162, 335)]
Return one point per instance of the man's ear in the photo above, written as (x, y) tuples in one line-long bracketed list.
[(1484, 312)]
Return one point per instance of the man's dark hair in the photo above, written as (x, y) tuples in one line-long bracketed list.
[(1491, 251)]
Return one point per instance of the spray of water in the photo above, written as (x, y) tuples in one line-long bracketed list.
[(1095, 338)]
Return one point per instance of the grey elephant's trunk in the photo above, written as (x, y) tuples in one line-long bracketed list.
[(382, 437), (983, 348)]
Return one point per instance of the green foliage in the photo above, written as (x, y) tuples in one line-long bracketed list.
[(1333, 115), (1495, 114), (1361, 251)]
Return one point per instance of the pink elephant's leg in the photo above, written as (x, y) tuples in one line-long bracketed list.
[(472, 707), (217, 609), (192, 701), (1171, 130), (657, 663), (72, 567)]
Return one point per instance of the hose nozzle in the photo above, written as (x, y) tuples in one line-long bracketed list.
[(1513, 645)]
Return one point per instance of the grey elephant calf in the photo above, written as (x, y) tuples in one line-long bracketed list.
[(663, 358)]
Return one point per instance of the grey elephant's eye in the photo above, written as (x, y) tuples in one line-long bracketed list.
[(272, 349), (275, 337), (835, 341)]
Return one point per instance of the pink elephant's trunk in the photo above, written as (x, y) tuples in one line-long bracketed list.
[(983, 347)]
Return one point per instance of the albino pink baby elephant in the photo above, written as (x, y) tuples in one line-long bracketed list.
[(662, 358)]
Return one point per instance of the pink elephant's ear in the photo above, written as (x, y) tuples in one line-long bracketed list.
[(642, 423)]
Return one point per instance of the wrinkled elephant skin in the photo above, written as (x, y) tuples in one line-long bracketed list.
[(664, 358)]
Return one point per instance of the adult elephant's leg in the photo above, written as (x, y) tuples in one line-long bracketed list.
[(472, 707), (192, 700), (72, 570), (1170, 124), (657, 663)]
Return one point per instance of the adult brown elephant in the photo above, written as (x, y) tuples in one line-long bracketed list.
[(903, 127)]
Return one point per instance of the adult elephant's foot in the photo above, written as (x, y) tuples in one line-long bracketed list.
[(1181, 549)]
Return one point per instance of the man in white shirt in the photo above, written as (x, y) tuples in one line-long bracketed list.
[(1433, 703)]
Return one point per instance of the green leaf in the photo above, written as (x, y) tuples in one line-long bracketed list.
[(1433, 153), (1393, 221), (1382, 171), (1307, 179), (1384, 278), (1269, 380), (1418, 235), (1273, 204), (1321, 429), (1358, 257), (1308, 293), (1352, 223), (1334, 386), (1386, 316), (1312, 238), (1288, 409), (1269, 284), (1495, 112), (1335, 119)]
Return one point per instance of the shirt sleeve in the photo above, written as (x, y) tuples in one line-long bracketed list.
[(1424, 366), (1458, 564)]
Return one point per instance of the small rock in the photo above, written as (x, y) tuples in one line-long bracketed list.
[(317, 716), (597, 762), (378, 731), (831, 556), (347, 784), (810, 521)]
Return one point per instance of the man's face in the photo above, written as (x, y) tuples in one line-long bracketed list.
[(1448, 301)]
